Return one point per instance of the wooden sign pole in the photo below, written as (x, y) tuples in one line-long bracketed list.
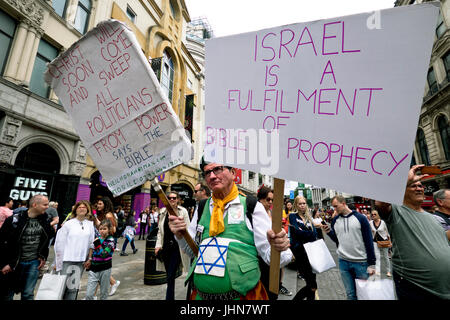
[(162, 196), (278, 197)]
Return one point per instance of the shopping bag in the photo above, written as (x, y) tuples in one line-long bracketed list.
[(52, 287), (319, 256), (379, 289)]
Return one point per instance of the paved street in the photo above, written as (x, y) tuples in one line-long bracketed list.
[(129, 270)]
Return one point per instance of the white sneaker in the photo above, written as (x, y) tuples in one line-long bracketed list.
[(114, 287)]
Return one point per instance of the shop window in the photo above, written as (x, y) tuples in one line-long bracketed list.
[(131, 15), (46, 53), (444, 132), (432, 83), (60, 7), (167, 74), (423, 149), (446, 60), (38, 157), (82, 16), (440, 27), (7, 29)]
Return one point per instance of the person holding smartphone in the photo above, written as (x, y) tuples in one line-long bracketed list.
[(302, 230)]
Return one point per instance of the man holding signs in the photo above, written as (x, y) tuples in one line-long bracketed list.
[(227, 263), (421, 252)]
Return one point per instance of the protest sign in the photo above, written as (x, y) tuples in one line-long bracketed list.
[(117, 107), (333, 103)]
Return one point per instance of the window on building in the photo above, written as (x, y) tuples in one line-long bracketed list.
[(82, 17), (446, 59), (423, 149), (413, 160), (60, 7), (167, 74), (46, 53), (156, 66), (131, 14), (7, 29), (172, 9), (440, 27), (189, 114), (432, 83), (444, 132), (38, 157)]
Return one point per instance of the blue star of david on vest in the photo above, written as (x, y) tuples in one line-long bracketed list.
[(207, 267)]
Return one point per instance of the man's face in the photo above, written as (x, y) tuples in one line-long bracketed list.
[(414, 193), (41, 205), (218, 178), (445, 203), (338, 206), (199, 194), (10, 204), (267, 202)]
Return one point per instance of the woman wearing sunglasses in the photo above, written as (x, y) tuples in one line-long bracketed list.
[(167, 247)]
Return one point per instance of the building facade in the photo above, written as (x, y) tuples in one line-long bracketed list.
[(40, 152)]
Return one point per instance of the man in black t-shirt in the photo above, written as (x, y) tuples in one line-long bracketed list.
[(24, 241)]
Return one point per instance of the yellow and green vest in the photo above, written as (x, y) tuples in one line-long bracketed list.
[(241, 270)]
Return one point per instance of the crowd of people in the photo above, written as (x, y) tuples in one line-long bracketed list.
[(399, 242), (86, 239)]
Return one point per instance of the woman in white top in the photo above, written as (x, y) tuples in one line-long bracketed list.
[(72, 247), (380, 233)]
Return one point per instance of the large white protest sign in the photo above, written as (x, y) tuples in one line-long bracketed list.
[(118, 108), (341, 98)]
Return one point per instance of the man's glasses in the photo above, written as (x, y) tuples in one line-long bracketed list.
[(269, 199), (216, 170), (172, 198)]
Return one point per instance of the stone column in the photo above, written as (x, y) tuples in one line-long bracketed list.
[(32, 58), (15, 55), (27, 53)]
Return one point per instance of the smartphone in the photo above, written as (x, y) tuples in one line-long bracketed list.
[(323, 222), (430, 170)]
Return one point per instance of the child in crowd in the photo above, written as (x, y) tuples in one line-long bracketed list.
[(100, 261)]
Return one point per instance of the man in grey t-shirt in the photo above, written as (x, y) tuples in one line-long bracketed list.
[(421, 251)]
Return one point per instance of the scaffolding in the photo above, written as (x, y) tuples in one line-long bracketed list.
[(200, 27)]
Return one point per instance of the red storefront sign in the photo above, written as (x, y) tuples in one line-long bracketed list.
[(238, 178)]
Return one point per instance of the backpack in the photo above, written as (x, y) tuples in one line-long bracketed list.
[(250, 202)]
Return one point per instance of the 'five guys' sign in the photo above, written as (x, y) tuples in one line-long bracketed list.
[(117, 107), (334, 103)]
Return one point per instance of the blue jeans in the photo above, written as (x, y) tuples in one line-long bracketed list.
[(349, 272), (28, 274), (125, 243)]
